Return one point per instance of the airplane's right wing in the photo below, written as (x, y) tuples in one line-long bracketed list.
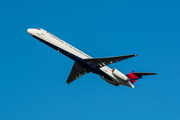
[(100, 62), (76, 72)]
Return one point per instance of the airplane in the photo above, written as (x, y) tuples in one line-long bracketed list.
[(85, 64)]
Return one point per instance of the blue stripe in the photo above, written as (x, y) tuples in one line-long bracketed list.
[(77, 59)]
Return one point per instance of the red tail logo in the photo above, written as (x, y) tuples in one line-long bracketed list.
[(133, 78)]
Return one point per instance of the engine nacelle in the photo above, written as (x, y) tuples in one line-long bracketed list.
[(119, 75)]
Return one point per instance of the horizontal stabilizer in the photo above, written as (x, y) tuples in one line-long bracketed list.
[(143, 73), (135, 76), (100, 62)]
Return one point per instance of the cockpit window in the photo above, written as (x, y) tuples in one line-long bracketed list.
[(38, 28)]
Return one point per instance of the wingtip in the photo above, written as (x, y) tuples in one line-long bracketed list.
[(154, 73)]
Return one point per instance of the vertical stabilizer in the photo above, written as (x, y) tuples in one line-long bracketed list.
[(133, 78)]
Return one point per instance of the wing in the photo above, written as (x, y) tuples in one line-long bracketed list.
[(76, 72), (100, 62)]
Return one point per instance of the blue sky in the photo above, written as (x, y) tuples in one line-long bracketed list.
[(33, 75)]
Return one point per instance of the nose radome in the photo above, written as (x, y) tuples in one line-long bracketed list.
[(30, 31)]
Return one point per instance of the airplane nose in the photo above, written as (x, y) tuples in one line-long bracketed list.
[(30, 31)]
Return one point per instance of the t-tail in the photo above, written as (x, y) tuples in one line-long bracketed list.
[(134, 76)]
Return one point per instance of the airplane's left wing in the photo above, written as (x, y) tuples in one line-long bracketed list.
[(76, 72), (100, 62)]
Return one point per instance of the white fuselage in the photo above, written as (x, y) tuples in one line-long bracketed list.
[(71, 52)]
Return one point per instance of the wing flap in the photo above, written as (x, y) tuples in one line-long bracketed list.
[(100, 62)]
